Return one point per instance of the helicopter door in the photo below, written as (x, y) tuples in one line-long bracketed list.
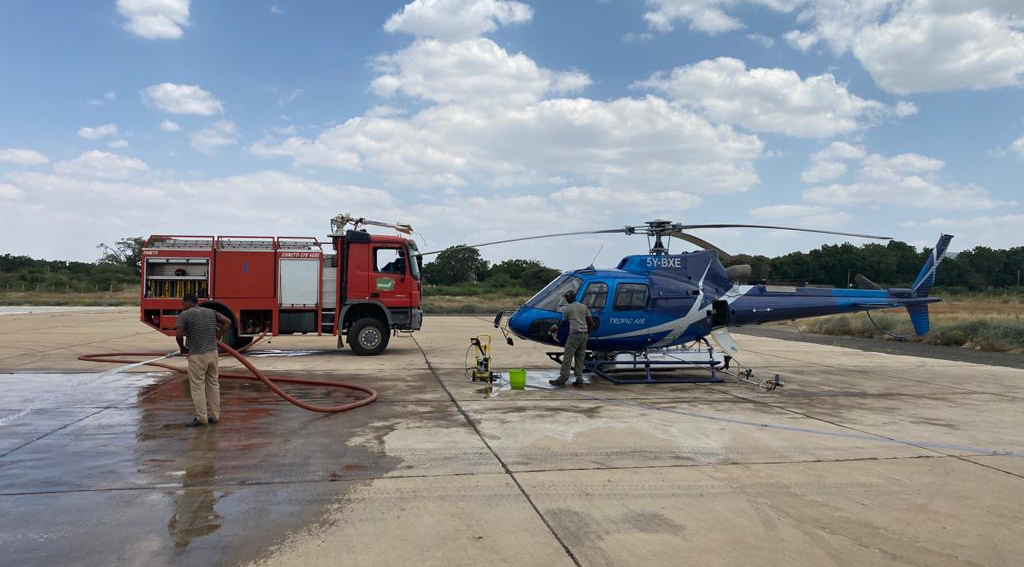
[(629, 310)]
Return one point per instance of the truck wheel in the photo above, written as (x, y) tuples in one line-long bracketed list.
[(368, 336), (234, 341)]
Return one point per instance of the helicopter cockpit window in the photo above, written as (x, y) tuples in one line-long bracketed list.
[(596, 296), (551, 297), (630, 296)]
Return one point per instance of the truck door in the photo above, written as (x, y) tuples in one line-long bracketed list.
[(390, 277)]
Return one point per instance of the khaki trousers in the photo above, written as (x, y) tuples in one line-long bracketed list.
[(575, 351), (204, 384)]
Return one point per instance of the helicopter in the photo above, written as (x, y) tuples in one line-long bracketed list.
[(651, 303)]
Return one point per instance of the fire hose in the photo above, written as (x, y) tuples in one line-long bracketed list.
[(268, 381)]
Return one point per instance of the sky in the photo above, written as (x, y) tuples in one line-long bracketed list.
[(480, 120)]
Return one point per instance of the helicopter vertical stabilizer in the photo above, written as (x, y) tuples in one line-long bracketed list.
[(923, 284)]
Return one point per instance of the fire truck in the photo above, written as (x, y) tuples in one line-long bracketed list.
[(362, 291)]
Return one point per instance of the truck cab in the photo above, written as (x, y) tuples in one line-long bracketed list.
[(379, 288)]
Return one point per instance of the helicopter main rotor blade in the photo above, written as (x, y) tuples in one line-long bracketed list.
[(625, 230), (689, 226), (699, 242)]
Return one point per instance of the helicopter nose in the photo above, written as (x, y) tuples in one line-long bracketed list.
[(533, 324), (519, 323)]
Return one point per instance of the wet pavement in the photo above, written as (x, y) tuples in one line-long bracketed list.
[(863, 458)]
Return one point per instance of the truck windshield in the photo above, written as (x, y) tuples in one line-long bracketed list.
[(550, 298), (414, 260)]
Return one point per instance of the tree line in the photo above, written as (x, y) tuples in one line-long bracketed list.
[(893, 264), (118, 266)]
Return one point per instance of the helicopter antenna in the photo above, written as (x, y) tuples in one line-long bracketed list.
[(596, 255)]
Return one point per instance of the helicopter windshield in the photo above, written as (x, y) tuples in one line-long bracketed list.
[(550, 298)]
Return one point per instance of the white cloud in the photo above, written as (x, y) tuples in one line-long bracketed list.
[(627, 142), (118, 144), (908, 180), (107, 97), (908, 46), (452, 20), (10, 192), (705, 15), (67, 204), (471, 71), (1017, 146), (903, 163), (765, 41), (590, 201), (923, 49), (100, 164), (787, 211), (291, 96), (97, 132), (767, 100), (24, 158), (182, 99), (994, 231), (803, 216), (500, 120), (155, 19), (829, 163), (823, 171), (210, 139), (841, 150), (911, 46), (169, 126)]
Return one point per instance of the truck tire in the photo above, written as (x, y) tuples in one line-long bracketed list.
[(234, 341), (368, 336)]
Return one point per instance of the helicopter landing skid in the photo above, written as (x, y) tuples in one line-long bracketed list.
[(658, 361)]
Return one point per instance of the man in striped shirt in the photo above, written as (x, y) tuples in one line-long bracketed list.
[(203, 327)]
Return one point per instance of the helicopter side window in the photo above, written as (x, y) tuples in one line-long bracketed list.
[(630, 296), (595, 296)]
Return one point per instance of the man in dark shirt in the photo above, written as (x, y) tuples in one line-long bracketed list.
[(203, 327)]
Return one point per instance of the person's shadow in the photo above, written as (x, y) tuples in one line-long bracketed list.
[(194, 515)]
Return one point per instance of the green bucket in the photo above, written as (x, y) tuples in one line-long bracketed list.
[(517, 378)]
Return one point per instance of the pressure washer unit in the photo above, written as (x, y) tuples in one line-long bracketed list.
[(482, 370)]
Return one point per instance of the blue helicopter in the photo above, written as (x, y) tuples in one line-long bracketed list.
[(657, 301)]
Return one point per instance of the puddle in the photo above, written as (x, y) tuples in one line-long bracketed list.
[(48, 390), (276, 352), (535, 380)]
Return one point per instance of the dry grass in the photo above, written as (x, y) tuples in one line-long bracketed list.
[(117, 298), (489, 304)]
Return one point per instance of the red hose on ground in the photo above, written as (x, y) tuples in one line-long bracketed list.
[(269, 381)]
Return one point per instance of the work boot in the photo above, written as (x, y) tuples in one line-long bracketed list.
[(212, 421), (196, 423), (559, 383), (578, 383)]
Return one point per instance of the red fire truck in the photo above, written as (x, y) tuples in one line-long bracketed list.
[(364, 290)]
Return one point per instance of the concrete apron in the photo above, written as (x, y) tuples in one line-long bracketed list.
[(102, 471)]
